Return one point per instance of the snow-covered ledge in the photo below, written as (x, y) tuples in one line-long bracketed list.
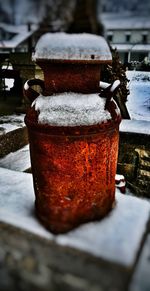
[(135, 126), (95, 255), (13, 133), (116, 238)]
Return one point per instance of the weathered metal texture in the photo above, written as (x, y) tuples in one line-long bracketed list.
[(74, 69), (73, 171), (73, 167), (70, 65), (70, 77)]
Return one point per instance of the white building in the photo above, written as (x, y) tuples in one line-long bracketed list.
[(15, 37), (130, 34)]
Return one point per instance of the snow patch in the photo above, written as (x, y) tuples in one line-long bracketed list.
[(71, 109), (125, 21), (139, 99), (136, 126), (18, 161), (114, 238), (26, 86), (11, 122)]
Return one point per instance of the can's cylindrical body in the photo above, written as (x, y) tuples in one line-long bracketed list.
[(73, 171)]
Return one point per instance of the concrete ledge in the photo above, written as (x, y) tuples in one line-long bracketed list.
[(109, 238), (102, 253), (29, 261), (18, 160), (135, 126), (13, 134), (141, 278)]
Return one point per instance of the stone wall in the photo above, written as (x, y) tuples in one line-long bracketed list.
[(134, 161), (33, 263)]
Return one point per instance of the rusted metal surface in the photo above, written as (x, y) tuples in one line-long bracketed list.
[(73, 171), (73, 167), (68, 77)]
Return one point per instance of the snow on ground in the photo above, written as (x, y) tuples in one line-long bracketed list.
[(138, 102), (136, 126), (9, 83), (11, 122), (96, 238), (18, 161)]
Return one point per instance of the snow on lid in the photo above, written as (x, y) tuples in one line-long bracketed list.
[(71, 109), (65, 46)]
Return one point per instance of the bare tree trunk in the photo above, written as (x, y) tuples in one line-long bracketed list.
[(85, 18)]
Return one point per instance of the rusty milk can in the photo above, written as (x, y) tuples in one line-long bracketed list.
[(73, 131)]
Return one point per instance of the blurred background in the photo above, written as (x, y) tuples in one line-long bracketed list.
[(124, 24)]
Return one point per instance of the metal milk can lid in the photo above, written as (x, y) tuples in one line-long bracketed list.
[(63, 47)]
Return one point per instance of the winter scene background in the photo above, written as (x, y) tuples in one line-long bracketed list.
[(108, 254), (138, 103)]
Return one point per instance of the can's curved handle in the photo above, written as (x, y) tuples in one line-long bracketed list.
[(29, 92), (109, 90), (112, 87)]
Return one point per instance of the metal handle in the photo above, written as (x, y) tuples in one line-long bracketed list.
[(112, 87), (109, 90), (29, 92)]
